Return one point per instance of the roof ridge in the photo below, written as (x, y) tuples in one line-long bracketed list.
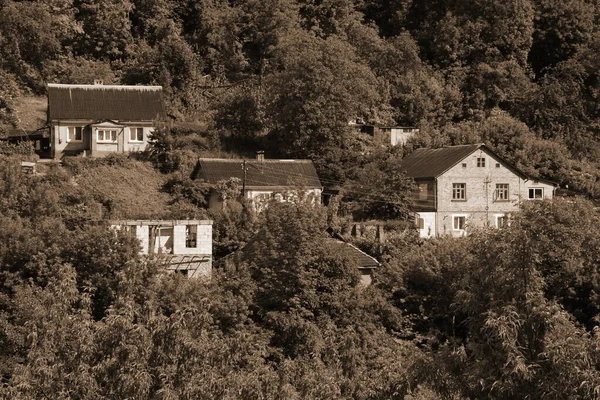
[(251, 160), (452, 146), (101, 87)]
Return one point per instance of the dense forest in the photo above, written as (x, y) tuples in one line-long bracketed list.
[(500, 314), (288, 75)]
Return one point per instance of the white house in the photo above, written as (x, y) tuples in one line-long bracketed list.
[(467, 186), (262, 180), (96, 120)]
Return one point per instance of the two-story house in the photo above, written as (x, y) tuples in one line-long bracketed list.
[(467, 186), (262, 180), (183, 246), (96, 120)]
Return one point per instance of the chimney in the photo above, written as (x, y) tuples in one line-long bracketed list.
[(98, 82), (260, 155)]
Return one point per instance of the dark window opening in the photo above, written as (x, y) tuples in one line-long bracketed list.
[(191, 236)]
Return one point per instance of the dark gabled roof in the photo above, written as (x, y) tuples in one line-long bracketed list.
[(260, 174), (431, 163), (359, 258), (105, 102)]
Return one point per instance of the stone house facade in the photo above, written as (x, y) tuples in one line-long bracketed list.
[(96, 120), (184, 246), (462, 187)]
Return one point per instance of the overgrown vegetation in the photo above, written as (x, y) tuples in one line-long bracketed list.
[(510, 313), (498, 314)]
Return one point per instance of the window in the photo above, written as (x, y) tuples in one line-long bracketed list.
[(459, 191), (502, 192), (423, 195), (106, 135), (501, 221), (75, 134), (497, 165), (481, 162), (458, 222), (136, 134), (536, 193), (420, 223), (464, 165), (191, 236)]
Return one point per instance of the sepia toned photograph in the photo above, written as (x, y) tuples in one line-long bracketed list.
[(300, 199)]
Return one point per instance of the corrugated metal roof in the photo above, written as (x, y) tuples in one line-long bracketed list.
[(267, 173), (431, 163), (101, 102)]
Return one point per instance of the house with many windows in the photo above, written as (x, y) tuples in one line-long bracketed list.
[(460, 187), (96, 120)]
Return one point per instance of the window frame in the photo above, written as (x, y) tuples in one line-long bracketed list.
[(457, 190), (104, 130), (464, 224), (505, 190), (480, 162), (133, 130), (529, 191), (498, 217), (74, 129)]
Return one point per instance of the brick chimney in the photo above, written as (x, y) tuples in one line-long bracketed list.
[(260, 155)]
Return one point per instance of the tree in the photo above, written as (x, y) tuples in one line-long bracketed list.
[(381, 190), (561, 28), (320, 85)]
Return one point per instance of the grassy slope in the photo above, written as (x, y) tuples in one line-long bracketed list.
[(127, 188)]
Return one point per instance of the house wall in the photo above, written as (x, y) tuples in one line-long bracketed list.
[(399, 136), (170, 240), (548, 190), (203, 240), (482, 205), (89, 145), (261, 197), (59, 140), (429, 224), (481, 202), (133, 146)]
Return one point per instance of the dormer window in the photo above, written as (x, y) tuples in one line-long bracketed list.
[(480, 161)]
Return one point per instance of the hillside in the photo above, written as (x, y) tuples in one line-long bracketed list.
[(127, 188), (286, 76)]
